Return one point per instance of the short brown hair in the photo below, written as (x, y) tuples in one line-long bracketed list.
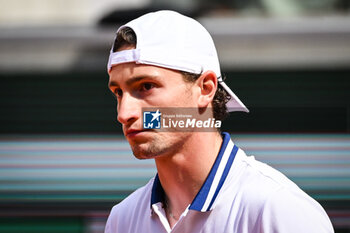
[(126, 36)]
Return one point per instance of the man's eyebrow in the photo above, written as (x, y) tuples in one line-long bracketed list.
[(112, 84), (130, 81)]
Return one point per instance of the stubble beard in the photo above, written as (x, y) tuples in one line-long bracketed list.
[(157, 146), (147, 151)]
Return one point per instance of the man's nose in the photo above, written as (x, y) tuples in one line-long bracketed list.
[(128, 109)]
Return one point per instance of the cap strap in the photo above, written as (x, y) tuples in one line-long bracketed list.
[(123, 56)]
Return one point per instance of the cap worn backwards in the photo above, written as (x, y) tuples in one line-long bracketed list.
[(171, 40)]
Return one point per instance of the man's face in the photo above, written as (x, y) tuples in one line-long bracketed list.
[(139, 86)]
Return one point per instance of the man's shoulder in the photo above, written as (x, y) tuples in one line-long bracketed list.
[(261, 176), (139, 199), (266, 193), (131, 208), (255, 182)]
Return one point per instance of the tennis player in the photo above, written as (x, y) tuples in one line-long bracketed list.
[(204, 182)]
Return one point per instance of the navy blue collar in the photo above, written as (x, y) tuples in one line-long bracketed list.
[(207, 194)]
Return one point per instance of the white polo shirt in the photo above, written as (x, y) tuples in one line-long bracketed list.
[(240, 195)]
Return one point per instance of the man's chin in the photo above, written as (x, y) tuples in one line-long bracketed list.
[(145, 151), (141, 154)]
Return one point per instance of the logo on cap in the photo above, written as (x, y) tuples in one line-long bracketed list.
[(151, 120)]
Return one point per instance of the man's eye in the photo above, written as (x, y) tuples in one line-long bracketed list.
[(118, 92), (147, 86)]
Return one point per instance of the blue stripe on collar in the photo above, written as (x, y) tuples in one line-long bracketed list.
[(212, 185), (224, 175), (158, 193)]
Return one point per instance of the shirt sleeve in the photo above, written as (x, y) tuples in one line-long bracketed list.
[(286, 211)]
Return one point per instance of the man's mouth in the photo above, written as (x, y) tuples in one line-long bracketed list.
[(134, 132)]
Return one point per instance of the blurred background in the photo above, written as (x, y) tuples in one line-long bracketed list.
[(63, 160)]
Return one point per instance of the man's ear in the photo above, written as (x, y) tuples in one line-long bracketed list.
[(207, 83)]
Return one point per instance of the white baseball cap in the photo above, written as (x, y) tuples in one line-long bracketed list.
[(171, 40)]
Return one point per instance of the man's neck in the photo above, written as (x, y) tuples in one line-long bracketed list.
[(182, 174)]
